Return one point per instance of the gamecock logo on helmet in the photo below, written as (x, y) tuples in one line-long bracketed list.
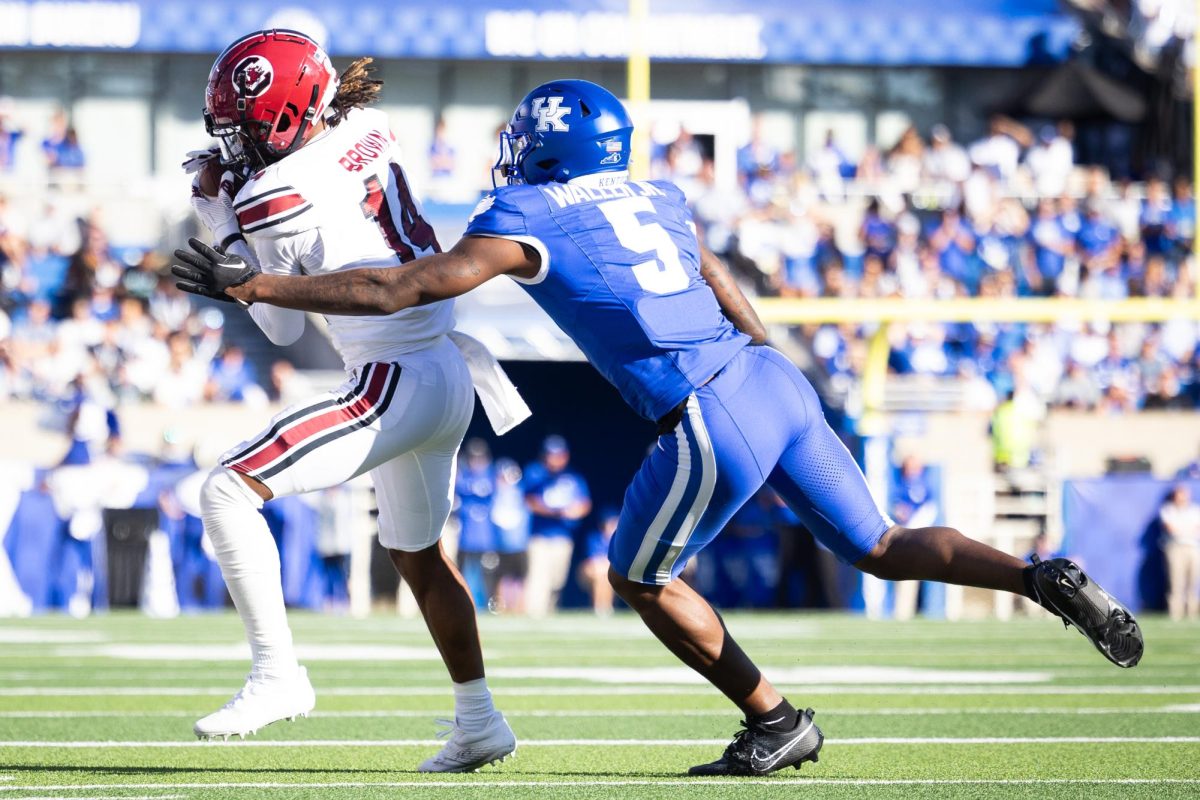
[(252, 76)]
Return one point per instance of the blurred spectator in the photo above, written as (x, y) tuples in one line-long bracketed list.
[(558, 500), (186, 374), (906, 159), (1000, 151), (1014, 431), (739, 570), (953, 242), (334, 543), (61, 145), (63, 152), (945, 159), (441, 152), (141, 281), (169, 305), (91, 263), (718, 211), (287, 385), (915, 504), (92, 423), (510, 516), (593, 569), (1181, 221), (1078, 389), (1180, 518), (233, 379), (756, 159), (685, 159), (1155, 217), (830, 166), (1051, 160), (443, 163), (10, 134), (474, 492)]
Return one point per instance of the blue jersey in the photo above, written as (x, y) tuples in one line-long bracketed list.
[(557, 491), (475, 489), (620, 274)]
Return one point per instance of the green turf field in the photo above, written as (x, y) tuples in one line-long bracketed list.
[(103, 708)]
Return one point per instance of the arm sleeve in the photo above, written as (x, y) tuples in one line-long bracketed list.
[(500, 216), (281, 255), (497, 215)]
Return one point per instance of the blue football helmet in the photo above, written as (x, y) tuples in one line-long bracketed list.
[(564, 129)]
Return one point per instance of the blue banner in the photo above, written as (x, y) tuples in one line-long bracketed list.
[(1005, 33), (1111, 528)]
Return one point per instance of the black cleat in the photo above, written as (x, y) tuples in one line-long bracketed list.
[(1064, 589), (758, 751)]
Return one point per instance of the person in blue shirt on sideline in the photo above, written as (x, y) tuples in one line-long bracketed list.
[(617, 265), (510, 518), (474, 489), (915, 504), (558, 500)]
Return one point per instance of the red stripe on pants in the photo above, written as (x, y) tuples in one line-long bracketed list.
[(302, 431)]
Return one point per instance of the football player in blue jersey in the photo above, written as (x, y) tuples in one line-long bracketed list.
[(617, 265)]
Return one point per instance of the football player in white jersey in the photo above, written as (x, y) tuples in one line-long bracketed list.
[(310, 181)]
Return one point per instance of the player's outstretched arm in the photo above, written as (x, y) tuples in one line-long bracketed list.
[(736, 307), (470, 263)]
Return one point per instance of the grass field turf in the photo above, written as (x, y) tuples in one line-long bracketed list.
[(103, 708)]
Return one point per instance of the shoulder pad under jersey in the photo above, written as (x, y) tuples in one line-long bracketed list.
[(268, 205)]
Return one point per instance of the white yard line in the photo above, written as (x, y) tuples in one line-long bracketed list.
[(603, 691), (92, 797), (730, 782), (360, 743), (1189, 708)]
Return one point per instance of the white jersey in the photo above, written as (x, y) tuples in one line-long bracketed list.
[(342, 201)]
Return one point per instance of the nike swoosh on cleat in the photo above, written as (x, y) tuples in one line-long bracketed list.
[(773, 758)]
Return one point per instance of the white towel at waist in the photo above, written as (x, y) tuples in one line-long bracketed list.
[(501, 401)]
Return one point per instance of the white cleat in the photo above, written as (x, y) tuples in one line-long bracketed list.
[(467, 751), (258, 704)]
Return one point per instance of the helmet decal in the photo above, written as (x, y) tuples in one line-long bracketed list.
[(252, 76), (550, 112), (614, 148)]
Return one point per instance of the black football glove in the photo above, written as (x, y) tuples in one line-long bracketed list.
[(208, 272)]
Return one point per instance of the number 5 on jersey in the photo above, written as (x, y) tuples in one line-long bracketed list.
[(662, 275)]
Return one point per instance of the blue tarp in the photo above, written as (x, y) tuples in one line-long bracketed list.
[(868, 32), (1111, 527)]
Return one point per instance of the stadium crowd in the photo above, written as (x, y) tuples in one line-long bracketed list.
[(1010, 215)]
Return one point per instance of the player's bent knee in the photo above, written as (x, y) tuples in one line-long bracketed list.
[(224, 488), (415, 565), (637, 595), (880, 562)]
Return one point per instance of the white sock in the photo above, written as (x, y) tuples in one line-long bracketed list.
[(250, 564), (473, 707)]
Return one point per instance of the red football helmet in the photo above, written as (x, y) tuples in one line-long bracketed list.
[(263, 94)]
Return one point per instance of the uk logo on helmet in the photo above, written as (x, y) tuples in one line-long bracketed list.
[(550, 112), (252, 76)]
